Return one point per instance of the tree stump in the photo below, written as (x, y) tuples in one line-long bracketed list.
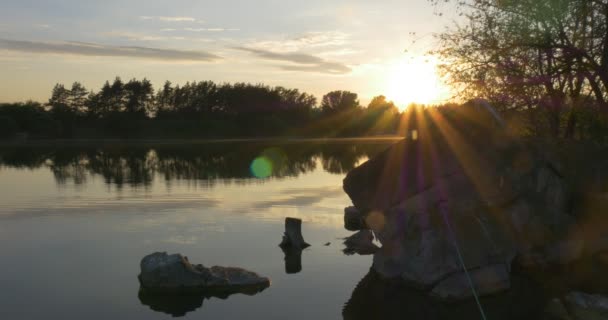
[(292, 239)]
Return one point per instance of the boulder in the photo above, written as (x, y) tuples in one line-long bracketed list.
[(587, 306), (173, 273), (462, 190), (354, 220), (360, 243)]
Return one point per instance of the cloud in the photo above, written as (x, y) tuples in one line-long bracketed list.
[(169, 19), (100, 50), (304, 41), (210, 29), (301, 61)]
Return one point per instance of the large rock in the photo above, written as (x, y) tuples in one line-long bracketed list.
[(165, 273), (587, 306), (578, 306), (465, 190)]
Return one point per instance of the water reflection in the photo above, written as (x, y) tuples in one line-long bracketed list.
[(293, 260), (205, 163), (178, 305), (375, 298)]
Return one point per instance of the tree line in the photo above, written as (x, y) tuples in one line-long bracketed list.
[(196, 109), (544, 61)]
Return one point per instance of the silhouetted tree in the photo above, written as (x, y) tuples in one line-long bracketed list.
[(339, 101)]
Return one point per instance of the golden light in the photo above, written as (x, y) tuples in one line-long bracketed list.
[(415, 80)]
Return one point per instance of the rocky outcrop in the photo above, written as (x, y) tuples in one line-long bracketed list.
[(354, 220), (578, 306), (163, 273), (360, 243), (463, 195)]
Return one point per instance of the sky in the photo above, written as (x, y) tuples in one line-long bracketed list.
[(368, 47)]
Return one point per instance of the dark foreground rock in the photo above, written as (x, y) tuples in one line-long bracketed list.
[(578, 306), (464, 195), (163, 273)]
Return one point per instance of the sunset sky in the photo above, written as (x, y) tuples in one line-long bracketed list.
[(368, 47)]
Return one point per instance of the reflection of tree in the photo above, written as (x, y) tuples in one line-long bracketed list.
[(206, 164)]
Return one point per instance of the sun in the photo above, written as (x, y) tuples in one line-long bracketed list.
[(415, 80)]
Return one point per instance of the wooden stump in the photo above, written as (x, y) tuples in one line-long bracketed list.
[(293, 235)]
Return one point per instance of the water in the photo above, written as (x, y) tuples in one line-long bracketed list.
[(75, 222)]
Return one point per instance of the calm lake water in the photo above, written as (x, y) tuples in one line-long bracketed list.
[(76, 221)]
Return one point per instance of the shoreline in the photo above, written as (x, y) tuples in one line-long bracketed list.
[(186, 141)]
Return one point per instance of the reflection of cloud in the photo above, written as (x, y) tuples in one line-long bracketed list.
[(92, 49), (181, 239), (102, 205), (300, 197), (303, 62)]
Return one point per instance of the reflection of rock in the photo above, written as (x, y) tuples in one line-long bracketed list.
[(292, 238), (178, 305), (293, 260), (487, 280), (175, 305), (377, 298), (165, 273), (360, 243)]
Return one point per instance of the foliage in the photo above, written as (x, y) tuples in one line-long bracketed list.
[(548, 58)]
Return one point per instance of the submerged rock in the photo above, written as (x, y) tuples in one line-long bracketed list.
[(165, 273)]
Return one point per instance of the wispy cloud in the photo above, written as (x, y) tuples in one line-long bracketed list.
[(210, 29), (301, 61), (100, 50), (304, 41), (170, 19)]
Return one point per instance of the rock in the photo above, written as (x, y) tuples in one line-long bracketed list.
[(354, 220), (293, 235), (555, 309), (603, 258), (462, 186), (554, 254), (360, 243), (163, 273), (587, 306), (486, 280)]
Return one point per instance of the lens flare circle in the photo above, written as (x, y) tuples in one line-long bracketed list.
[(261, 167)]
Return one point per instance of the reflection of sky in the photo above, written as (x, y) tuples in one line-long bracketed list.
[(73, 252)]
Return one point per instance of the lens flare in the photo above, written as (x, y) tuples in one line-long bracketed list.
[(261, 167)]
